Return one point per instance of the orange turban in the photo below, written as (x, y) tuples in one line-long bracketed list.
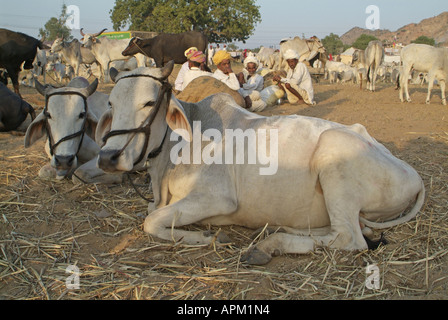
[(198, 56), (190, 51), (220, 56)]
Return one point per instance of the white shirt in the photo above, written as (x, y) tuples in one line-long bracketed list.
[(301, 77), (180, 76), (192, 74), (255, 82), (230, 80)]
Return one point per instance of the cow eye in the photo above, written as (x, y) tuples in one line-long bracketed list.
[(82, 115), (149, 104)]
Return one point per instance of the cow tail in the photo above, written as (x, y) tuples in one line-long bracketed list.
[(368, 74), (403, 219)]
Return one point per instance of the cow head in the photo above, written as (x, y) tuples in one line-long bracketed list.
[(57, 45), (134, 47), (89, 39), (138, 119), (65, 120)]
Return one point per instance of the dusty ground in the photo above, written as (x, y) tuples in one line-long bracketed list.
[(45, 226)]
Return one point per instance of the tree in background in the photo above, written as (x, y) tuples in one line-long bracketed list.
[(56, 28), (333, 44), (363, 41), (425, 40), (220, 20)]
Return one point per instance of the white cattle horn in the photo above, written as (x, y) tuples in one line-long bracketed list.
[(167, 69), (40, 87)]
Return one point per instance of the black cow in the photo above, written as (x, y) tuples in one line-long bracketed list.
[(166, 46), (16, 48), (13, 110)]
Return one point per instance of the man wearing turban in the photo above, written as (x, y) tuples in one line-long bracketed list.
[(251, 85), (224, 72), (190, 52), (297, 84), (194, 71)]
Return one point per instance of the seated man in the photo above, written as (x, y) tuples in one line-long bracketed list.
[(194, 71), (224, 72), (180, 76), (251, 85), (297, 84)]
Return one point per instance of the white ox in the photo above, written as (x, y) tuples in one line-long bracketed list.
[(73, 54), (307, 49), (265, 57), (107, 50), (68, 122), (374, 58), (424, 58), (329, 177)]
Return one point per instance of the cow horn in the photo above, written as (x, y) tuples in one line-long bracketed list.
[(40, 87), (113, 73), (166, 70), (92, 87), (82, 33), (99, 33)]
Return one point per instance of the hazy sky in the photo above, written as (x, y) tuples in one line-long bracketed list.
[(280, 18)]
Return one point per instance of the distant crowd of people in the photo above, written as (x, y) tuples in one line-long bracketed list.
[(297, 85)]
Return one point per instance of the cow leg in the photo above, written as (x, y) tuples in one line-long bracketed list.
[(431, 78), (162, 222), (442, 89), (405, 82), (90, 173), (375, 74), (15, 80)]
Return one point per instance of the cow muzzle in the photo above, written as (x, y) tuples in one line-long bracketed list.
[(113, 161), (64, 165)]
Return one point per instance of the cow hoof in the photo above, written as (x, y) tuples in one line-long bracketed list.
[(221, 237), (255, 256), (47, 172), (375, 244), (267, 231)]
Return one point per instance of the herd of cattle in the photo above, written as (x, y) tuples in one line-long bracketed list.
[(333, 184)]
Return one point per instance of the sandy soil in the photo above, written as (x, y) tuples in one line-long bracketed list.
[(46, 226)]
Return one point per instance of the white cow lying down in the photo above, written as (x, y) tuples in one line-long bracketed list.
[(69, 121), (328, 178)]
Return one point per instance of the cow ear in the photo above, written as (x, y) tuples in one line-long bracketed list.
[(35, 130), (113, 73), (103, 127), (177, 120)]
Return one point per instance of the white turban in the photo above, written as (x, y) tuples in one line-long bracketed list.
[(291, 54), (251, 59)]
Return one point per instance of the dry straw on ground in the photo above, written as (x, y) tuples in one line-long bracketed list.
[(46, 226)]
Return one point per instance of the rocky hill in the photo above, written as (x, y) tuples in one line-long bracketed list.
[(435, 27)]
